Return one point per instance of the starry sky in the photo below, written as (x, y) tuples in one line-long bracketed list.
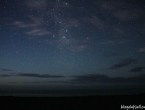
[(51, 44)]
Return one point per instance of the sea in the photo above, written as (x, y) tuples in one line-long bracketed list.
[(70, 93)]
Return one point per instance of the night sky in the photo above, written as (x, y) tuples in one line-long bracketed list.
[(65, 44)]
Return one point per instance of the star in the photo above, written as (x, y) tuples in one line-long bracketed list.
[(63, 37)]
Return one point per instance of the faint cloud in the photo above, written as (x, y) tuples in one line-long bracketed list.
[(6, 70), (78, 47), (39, 75), (128, 14), (137, 69), (107, 6), (141, 49), (71, 22), (113, 42), (122, 15), (89, 78), (119, 30), (5, 75), (110, 5), (95, 21), (100, 78), (31, 75), (38, 32), (123, 63), (37, 4), (35, 22)]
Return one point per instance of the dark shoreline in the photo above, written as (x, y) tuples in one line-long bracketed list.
[(79, 102)]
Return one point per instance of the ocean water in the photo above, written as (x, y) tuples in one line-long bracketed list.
[(69, 93)]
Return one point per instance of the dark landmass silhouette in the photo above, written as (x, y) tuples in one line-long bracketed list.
[(100, 102)]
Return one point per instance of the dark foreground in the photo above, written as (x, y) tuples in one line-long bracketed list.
[(76, 103)]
